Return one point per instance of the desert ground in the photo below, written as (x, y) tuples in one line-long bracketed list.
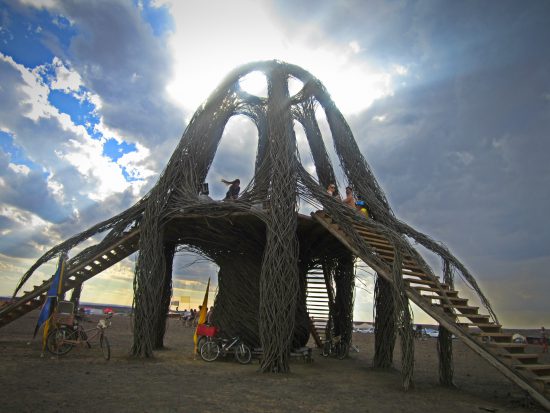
[(174, 381)]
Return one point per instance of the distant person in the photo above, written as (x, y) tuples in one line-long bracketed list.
[(209, 316), (233, 191), (349, 200), (544, 338)]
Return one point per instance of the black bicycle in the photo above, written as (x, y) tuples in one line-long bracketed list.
[(216, 346)]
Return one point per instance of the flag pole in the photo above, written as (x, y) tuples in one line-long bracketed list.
[(202, 319)]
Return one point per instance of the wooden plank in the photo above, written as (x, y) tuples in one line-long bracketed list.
[(533, 367), (449, 293), (521, 356)]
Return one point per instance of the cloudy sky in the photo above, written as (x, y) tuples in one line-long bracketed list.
[(449, 102)]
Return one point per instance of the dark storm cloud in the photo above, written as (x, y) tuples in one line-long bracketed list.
[(121, 60), (462, 152)]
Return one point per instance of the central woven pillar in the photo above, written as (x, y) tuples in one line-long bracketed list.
[(279, 276)]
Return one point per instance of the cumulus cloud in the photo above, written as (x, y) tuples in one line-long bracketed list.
[(130, 75), (64, 169)]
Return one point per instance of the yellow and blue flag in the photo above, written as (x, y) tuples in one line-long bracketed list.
[(51, 299)]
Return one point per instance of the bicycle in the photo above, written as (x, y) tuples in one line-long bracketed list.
[(63, 338), (214, 346), (336, 346)]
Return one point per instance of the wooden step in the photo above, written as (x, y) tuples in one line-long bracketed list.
[(486, 327), (522, 357), (506, 345), (449, 293), (473, 317), (464, 309), (496, 336), (421, 275), (539, 369), (367, 233), (442, 298), (427, 283), (544, 379), (417, 281)]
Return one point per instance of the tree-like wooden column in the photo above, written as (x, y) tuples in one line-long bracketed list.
[(445, 338), (385, 330), (159, 328), (343, 301), (279, 276)]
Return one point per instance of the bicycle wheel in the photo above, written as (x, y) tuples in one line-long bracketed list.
[(210, 351), (243, 353), (341, 350), (326, 349), (105, 347), (55, 342), (201, 341)]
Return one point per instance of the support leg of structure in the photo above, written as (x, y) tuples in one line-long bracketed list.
[(384, 324), (166, 295), (445, 338), (75, 295), (147, 290), (445, 352), (344, 280), (403, 320)]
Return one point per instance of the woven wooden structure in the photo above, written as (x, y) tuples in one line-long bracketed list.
[(263, 248)]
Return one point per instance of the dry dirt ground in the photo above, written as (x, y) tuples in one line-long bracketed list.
[(82, 381)]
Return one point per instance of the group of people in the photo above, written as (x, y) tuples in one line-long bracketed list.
[(190, 317), (350, 200)]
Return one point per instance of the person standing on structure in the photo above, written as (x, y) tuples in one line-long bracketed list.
[(233, 191), (349, 200)]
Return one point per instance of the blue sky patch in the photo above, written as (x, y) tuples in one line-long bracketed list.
[(16, 153), (27, 39), (159, 18), (115, 150), (81, 112)]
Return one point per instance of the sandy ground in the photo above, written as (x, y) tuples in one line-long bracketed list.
[(82, 381)]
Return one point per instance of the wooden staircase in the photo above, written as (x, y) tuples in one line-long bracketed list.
[(318, 299), (77, 272), (453, 312)]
